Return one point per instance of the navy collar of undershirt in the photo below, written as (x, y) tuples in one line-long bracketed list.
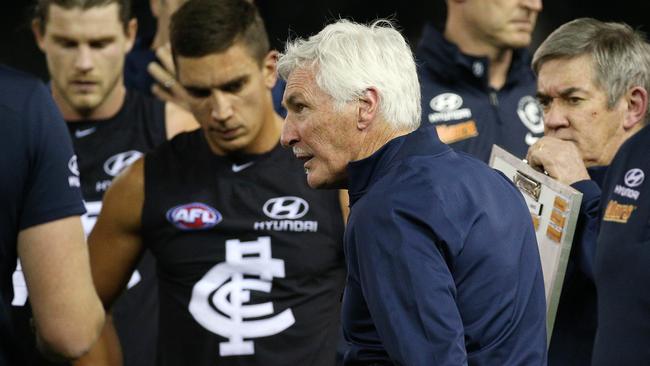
[(362, 174)]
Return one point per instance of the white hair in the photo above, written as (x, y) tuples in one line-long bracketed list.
[(348, 58)]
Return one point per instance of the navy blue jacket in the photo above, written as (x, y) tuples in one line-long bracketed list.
[(469, 114), (443, 265), (39, 181), (622, 266)]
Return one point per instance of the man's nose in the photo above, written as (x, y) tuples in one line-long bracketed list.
[(84, 61), (222, 108), (288, 137), (554, 118)]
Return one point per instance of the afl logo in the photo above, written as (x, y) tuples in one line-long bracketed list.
[(634, 177), (446, 102), (117, 163), (282, 208), (194, 216)]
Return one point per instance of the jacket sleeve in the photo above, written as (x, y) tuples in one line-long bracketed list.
[(587, 226), (409, 289)]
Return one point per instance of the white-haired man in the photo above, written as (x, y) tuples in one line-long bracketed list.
[(440, 271)]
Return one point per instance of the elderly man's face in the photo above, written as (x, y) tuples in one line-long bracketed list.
[(321, 136), (575, 109)]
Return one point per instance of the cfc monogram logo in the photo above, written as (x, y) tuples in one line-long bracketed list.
[(227, 288)]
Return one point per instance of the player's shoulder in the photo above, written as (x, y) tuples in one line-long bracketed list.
[(180, 143), (18, 88)]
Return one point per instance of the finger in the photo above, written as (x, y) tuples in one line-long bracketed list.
[(162, 93), (536, 157), (160, 74), (164, 54), (166, 81), (531, 151)]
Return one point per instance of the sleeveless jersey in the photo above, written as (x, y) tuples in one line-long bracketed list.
[(250, 261), (104, 149)]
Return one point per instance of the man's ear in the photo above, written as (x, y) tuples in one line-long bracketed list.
[(38, 35), (368, 108), (637, 107), (131, 31), (269, 68)]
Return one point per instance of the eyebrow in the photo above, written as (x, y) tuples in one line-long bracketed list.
[(568, 91), (240, 79), (291, 100), (59, 38), (237, 80), (563, 93)]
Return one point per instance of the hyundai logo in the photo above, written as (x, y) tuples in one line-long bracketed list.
[(116, 163), (634, 177), (282, 208), (446, 102)]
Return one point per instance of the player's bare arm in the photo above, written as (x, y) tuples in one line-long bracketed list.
[(67, 313), (115, 249)]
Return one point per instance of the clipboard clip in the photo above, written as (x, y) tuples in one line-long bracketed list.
[(527, 184)]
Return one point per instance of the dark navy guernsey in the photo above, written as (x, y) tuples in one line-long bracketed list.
[(249, 258), (622, 267), (443, 266), (39, 180), (105, 148), (467, 113)]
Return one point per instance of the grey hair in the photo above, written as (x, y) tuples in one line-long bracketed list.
[(348, 58), (621, 55)]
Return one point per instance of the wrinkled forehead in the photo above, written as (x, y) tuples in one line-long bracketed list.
[(301, 77), (558, 74), (302, 83)]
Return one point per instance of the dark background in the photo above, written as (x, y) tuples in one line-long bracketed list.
[(291, 18)]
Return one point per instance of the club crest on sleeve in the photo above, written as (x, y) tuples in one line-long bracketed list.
[(193, 216)]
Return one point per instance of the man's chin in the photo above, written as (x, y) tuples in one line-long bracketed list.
[(520, 41), (85, 105)]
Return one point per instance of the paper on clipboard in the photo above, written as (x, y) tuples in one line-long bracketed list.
[(554, 208)]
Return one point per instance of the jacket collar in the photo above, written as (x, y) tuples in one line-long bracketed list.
[(362, 174), (445, 61)]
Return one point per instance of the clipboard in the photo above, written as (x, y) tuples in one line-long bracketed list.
[(554, 208)]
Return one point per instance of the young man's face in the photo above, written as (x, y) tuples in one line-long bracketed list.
[(502, 23), (576, 109), (320, 135), (231, 98), (85, 51)]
